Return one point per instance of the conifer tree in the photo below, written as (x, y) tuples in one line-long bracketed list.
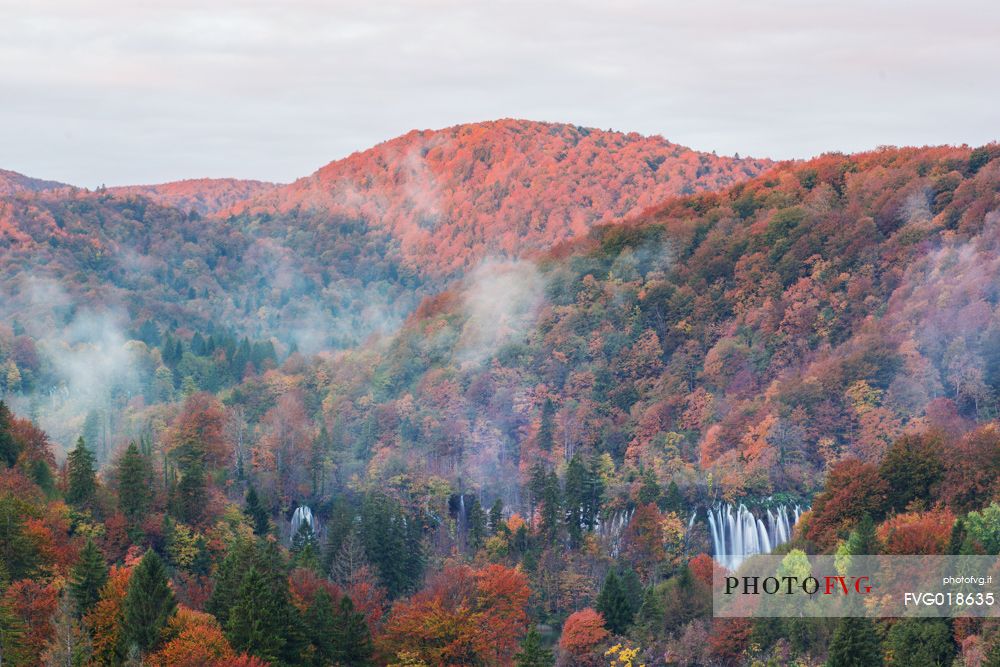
[(546, 427), (88, 577), (574, 497), (305, 548), (532, 653), (476, 525), (320, 623), (255, 511), (855, 644), (149, 604), (192, 493), (9, 446), (256, 621), (496, 516), (614, 605), (863, 541), (352, 639), (133, 484)]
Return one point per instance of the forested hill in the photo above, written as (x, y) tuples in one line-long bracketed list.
[(451, 197), (521, 472), (737, 344)]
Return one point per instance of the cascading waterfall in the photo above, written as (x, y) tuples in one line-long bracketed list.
[(302, 515), (737, 533)]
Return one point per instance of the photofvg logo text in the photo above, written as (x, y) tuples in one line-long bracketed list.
[(788, 585), (801, 586)]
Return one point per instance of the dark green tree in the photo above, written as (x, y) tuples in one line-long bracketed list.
[(649, 491), (256, 623), (255, 511), (305, 548), (88, 577), (546, 426), (532, 653), (614, 605), (352, 640), (229, 579), (391, 538), (475, 525), (496, 516), (191, 493), (652, 615), (134, 493), (574, 497), (149, 604), (863, 541), (855, 644), (10, 448), (920, 641), (320, 623)]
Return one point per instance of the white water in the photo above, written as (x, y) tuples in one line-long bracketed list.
[(737, 534), (302, 515)]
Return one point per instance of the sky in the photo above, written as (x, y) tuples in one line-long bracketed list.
[(113, 92)]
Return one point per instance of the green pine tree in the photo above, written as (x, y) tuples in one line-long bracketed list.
[(920, 641), (352, 640), (546, 426), (134, 492), (532, 653), (10, 448), (652, 614), (614, 605), (320, 623), (255, 511), (305, 548), (855, 644), (256, 622), (863, 541), (192, 493), (476, 525), (88, 577), (149, 604), (574, 497), (496, 516)]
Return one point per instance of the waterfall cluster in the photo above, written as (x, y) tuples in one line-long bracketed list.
[(737, 534), (302, 515)]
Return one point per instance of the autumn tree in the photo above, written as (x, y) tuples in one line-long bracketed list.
[(912, 467), (582, 632)]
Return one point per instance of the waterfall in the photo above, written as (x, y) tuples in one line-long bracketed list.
[(302, 515), (736, 533)]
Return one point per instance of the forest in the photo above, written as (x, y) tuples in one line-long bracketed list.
[(317, 427)]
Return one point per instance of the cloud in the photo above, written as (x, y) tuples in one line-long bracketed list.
[(121, 92)]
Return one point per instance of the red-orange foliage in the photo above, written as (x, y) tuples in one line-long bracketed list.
[(582, 632), (304, 583), (34, 603), (462, 617), (452, 196), (917, 532), (729, 638), (703, 567), (643, 540), (105, 620), (196, 641), (973, 471), (200, 429), (853, 489)]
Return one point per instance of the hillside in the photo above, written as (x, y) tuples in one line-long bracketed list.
[(314, 266), (497, 189), (12, 182), (201, 195), (535, 447)]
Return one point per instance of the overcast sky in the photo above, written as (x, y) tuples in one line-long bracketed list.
[(117, 92)]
